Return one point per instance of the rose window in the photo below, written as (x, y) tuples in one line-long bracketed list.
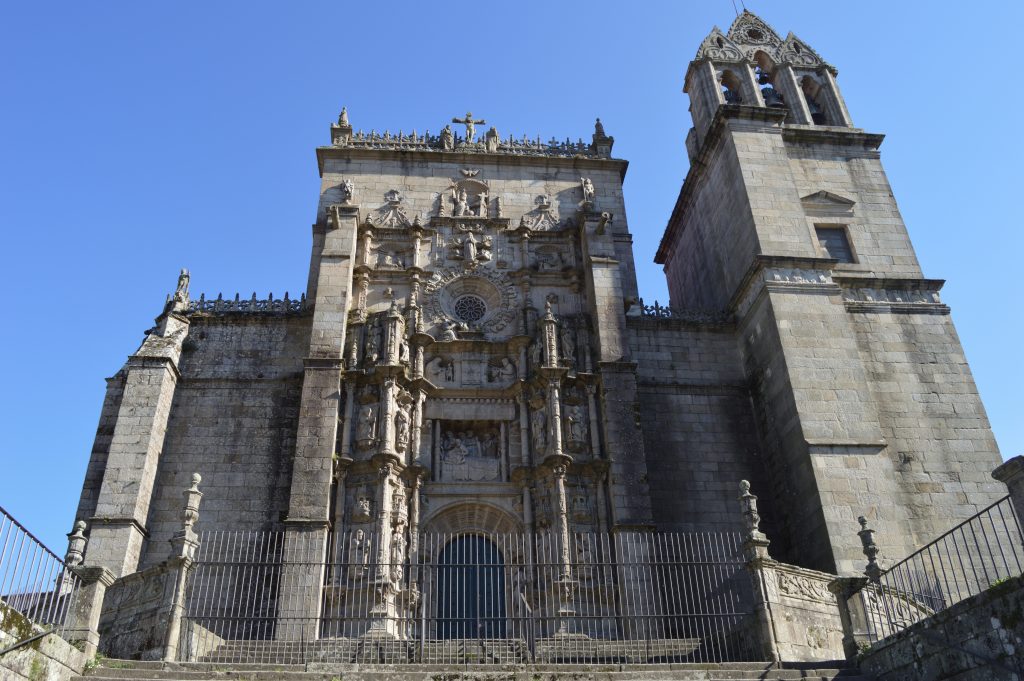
[(470, 308)]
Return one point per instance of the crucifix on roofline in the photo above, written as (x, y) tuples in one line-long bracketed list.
[(470, 125)]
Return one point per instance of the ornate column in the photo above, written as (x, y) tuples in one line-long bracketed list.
[(566, 584), (503, 451), (524, 430), (383, 621), (412, 456), (387, 416), (346, 419), (414, 516), (340, 475), (550, 335), (395, 334), (367, 239), (595, 432), (555, 419)]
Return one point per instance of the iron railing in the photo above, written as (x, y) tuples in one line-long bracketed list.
[(290, 597), (977, 554), (34, 583)]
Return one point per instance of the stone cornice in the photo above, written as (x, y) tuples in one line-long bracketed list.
[(474, 158)]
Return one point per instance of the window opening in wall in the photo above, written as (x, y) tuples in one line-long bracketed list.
[(835, 243)]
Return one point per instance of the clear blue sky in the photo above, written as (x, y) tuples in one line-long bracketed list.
[(140, 137)]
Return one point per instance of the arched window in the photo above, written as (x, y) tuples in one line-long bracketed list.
[(815, 101), (764, 72), (731, 88)]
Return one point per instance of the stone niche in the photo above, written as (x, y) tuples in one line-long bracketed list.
[(472, 451)]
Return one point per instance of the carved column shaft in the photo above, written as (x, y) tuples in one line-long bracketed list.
[(435, 451), (355, 333), (384, 520), (417, 425), (524, 431), (527, 509), (785, 80), (561, 511), (555, 420), (414, 518), (346, 420), (387, 425), (339, 499), (503, 454), (602, 504), (595, 431)]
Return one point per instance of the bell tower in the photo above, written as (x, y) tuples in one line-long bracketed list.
[(863, 399)]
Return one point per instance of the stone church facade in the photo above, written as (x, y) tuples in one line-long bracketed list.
[(472, 354)]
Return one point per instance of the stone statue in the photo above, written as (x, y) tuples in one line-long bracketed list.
[(358, 554), (402, 428), (448, 330), (568, 338), (343, 118), (469, 247), (403, 352), (470, 126), (575, 422), (599, 128), (435, 368), (397, 555), (347, 191), (588, 190), (447, 138), (461, 203), (367, 424), (481, 209), (538, 422), (484, 250), (180, 298), (373, 343), (363, 510), (492, 139), (506, 373)]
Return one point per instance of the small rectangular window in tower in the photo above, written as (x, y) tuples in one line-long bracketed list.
[(835, 243)]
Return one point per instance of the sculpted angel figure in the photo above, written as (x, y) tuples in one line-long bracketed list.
[(588, 189)]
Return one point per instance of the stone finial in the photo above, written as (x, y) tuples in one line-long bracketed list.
[(867, 540), (755, 544), (76, 545), (602, 143), (192, 498)]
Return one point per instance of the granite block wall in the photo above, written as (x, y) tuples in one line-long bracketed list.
[(233, 420)]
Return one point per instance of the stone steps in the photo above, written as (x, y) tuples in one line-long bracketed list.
[(124, 670)]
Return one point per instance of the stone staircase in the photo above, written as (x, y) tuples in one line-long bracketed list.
[(125, 670)]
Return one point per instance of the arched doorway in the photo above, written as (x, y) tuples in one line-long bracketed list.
[(470, 589)]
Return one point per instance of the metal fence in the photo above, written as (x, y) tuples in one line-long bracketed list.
[(290, 597), (34, 582), (975, 555)]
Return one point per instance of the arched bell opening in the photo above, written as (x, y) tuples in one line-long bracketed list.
[(764, 73), (814, 94), (731, 87)]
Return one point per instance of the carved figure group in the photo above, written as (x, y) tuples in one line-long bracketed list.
[(470, 249), (439, 370), (505, 373)]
